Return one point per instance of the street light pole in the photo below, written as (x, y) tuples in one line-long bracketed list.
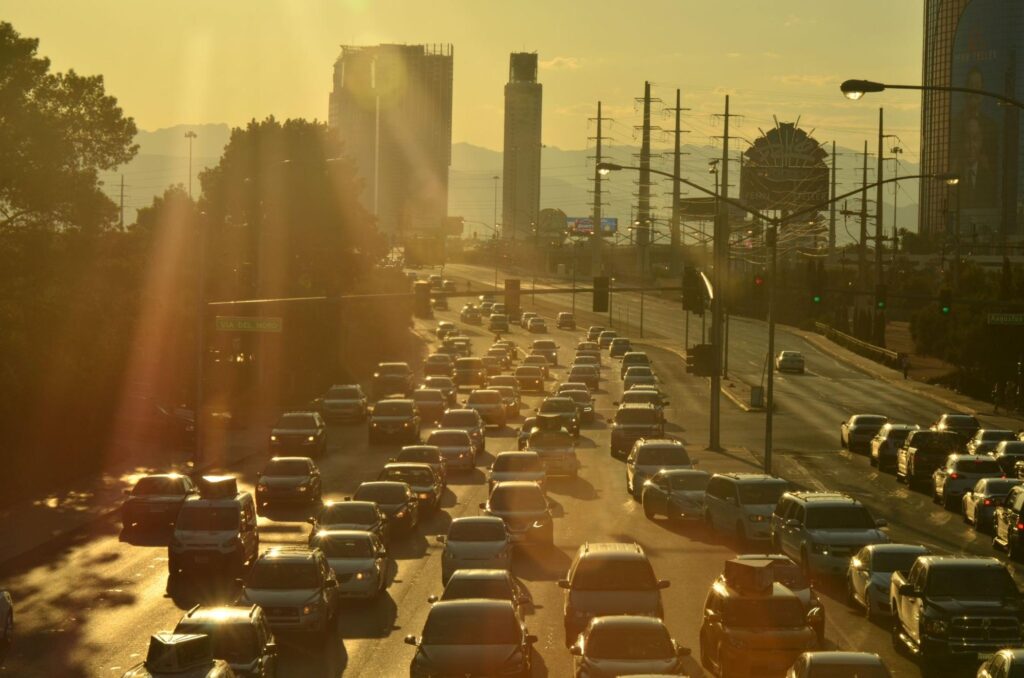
[(770, 237), (190, 135), (197, 418)]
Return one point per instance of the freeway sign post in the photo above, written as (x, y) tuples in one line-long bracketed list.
[(228, 323)]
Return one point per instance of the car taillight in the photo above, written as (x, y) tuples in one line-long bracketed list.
[(987, 502), (1020, 526), (953, 476)]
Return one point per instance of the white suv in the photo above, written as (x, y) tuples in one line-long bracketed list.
[(215, 530), (741, 503)]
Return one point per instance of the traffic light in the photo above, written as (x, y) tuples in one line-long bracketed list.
[(693, 290), (880, 297), (421, 299), (512, 297), (699, 360), (816, 281), (945, 301), (600, 294)]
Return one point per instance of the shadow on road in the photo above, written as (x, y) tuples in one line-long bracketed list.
[(577, 488), (536, 562)]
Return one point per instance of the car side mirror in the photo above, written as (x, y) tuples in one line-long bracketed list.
[(908, 590), (563, 583), (881, 522), (432, 599), (239, 581), (441, 539), (576, 651), (311, 521), (664, 583), (792, 523), (683, 652), (712, 616), (411, 640), (531, 639), (815, 616)]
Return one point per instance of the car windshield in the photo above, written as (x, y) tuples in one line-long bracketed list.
[(767, 612), (529, 372), (234, 643), (558, 405), (838, 518), (529, 463), (382, 494), (613, 574), (674, 455), (974, 466), (457, 625), (423, 455), (344, 393), (158, 486), (412, 476), (648, 641), (459, 419), (484, 398), (961, 420), (286, 467), (207, 519), (586, 360), (349, 514), (439, 382), (688, 482), (868, 420), (343, 547), (637, 416), (639, 371), (506, 392), (273, 574), (578, 397), (492, 588), (997, 435), (468, 364), (535, 360), (939, 441), (428, 397), (526, 498), (584, 370), (889, 561), (448, 438), (986, 582), (761, 493), (297, 421), (396, 369), (476, 530), (898, 435), (506, 380), (1000, 487), (641, 397), (545, 344), (819, 670), (393, 408), (541, 440)]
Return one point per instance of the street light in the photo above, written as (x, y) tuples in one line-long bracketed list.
[(855, 89)]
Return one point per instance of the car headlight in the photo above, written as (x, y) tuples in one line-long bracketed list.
[(273, 439), (373, 424), (424, 495), (400, 514), (261, 488), (311, 438), (936, 627), (311, 608), (302, 488), (756, 519), (406, 424), (541, 522), (821, 549), (365, 574)]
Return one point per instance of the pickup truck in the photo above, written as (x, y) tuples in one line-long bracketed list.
[(948, 607)]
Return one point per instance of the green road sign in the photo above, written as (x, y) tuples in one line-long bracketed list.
[(1006, 318), (228, 323)]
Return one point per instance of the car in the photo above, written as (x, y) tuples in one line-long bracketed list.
[(638, 375), (365, 516), (619, 346), (155, 500), (586, 374), (438, 365), (489, 404), (741, 504), (516, 465), (566, 411), (6, 618), (446, 385), (822, 664), (486, 298), (958, 475), (822, 530), (456, 446), (499, 308), (239, 634), (869, 575), (565, 321), (604, 339), (633, 359), (359, 560), (524, 319), (593, 332), (394, 419), (439, 303), (462, 346), (887, 442), (422, 478), (979, 503), (485, 308), (215, 532), (856, 433), (435, 281), (986, 439), (677, 494), (468, 420), (537, 325), (547, 348), (964, 425), (393, 378), (424, 454), (288, 480), (510, 399), (582, 359), (539, 361), (470, 372), (499, 354), (470, 314), (1003, 664), (922, 453), (555, 446), (484, 584), (570, 386), (530, 378), (297, 432), (789, 361), (344, 402), (396, 501), (609, 578), (443, 328), (523, 434), (641, 394), (296, 588), (584, 403), (1008, 522), (633, 422), (498, 322), (173, 655), (525, 509), (745, 608), (449, 286), (481, 542), (782, 570), (1008, 454), (620, 645), (430, 404), (650, 455), (472, 637)]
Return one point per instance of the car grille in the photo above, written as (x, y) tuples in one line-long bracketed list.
[(344, 578), (519, 524), (844, 550), (984, 629), (281, 611)]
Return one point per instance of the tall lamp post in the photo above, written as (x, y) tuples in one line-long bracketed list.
[(855, 89)]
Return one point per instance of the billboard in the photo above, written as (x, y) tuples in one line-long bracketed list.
[(784, 169), (585, 226)]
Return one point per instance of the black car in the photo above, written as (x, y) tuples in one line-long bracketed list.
[(424, 481), (155, 500), (395, 499), (344, 402), (964, 425), (301, 433), (565, 321), (633, 422), (470, 314), (470, 372), (288, 480), (530, 378), (394, 419), (430, 403), (351, 515), (391, 379), (565, 409)]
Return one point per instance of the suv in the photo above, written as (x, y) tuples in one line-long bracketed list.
[(240, 635), (650, 455), (215, 530), (498, 322), (565, 321), (516, 466), (344, 402), (742, 504), (470, 314), (395, 419), (467, 420), (856, 433), (525, 509), (924, 452), (1007, 521), (489, 405), (555, 446), (609, 579), (296, 588), (964, 425), (822, 530), (633, 359), (547, 348), (297, 432), (633, 422), (392, 378), (958, 475), (887, 442), (438, 365), (470, 372), (530, 378), (566, 411)]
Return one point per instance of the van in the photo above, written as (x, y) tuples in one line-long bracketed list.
[(741, 504), (215, 530)]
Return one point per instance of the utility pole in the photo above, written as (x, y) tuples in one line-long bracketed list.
[(878, 314), (198, 425), (190, 135), (596, 240), (495, 222), (676, 239), (644, 202), (862, 247), (121, 222), (896, 152), (770, 239), (832, 207)]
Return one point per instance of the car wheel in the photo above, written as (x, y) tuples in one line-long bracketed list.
[(705, 657), (1013, 548), (851, 598), (873, 460), (8, 631), (894, 633), (949, 503), (741, 537), (648, 510)]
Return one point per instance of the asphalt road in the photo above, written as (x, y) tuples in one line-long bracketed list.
[(87, 606)]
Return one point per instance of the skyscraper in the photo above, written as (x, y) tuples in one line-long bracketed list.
[(520, 204), (392, 107)]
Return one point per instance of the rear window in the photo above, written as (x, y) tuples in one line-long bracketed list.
[(344, 547), (393, 408), (348, 513), (428, 397), (934, 439), (544, 344), (663, 456), (484, 398), (207, 519), (689, 482), (868, 420), (764, 612), (556, 405), (961, 420), (344, 393), (270, 574), (528, 371), (527, 497), (490, 530), (849, 517), (986, 466), (412, 476), (234, 643), (382, 494), (588, 370), (457, 419), (1000, 486), (761, 493), (425, 455), (997, 435), (640, 396), (468, 364), (630, 643), (439, 358), (461, 588), (518, 462), (298, 421), (637, 416), (452, 626), (158, 486), (543, 440), (893, 562), (449, 438), (400, 369), (287, 467), (618, 574)]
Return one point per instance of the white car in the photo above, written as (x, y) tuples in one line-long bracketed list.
[(741, 504), (959, 475), (790, 361), (979, 503), (870, 572), (475, 542), (6, 617), (359, 560), (516, 466)]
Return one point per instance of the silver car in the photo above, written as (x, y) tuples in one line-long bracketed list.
[(986, 439), (456, 447), (677, 494), (790, 361), (475, 542), (627, 645), (295, 587), (359, 561), (959, 474), (870, 573), (516, 466), (650, 455), (979, 503), (469, 584)]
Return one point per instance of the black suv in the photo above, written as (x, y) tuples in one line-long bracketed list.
[(392, 378), (566, 411), (301, 433), (632, 422), (240, 635)]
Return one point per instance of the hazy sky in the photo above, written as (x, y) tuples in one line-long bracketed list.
[(195, 61)]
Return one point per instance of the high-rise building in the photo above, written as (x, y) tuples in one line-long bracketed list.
[(392, 107), (520, 204), (972, 44)]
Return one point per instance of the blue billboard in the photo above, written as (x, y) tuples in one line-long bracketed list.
[(585, 226)]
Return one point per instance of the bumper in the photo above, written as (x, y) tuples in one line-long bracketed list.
[(149, 516), (204, 560), (294, 620), (758, 530), (389, 433), (749, 662), (300, 448), (357, 589), (561, 465), (284, 497), (829, 565), (348, 414), (532, 535), (449, 565)]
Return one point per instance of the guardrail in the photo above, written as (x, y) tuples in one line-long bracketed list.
[(877, 353)]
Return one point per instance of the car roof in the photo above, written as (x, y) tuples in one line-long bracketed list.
[(627, 621), (477, 520), (288, 553), (957, 560), (460, 410), (309, 412), (897, 548), (221, 614), (636, 406), (517, 453), (750, 477), (824, 498), (404, 401), (835, 658), (613, 549), (777, 590), (480, 574), (667, 472), (471, 606), (408, 464), (393, 364), (350, 502), (308, 459), (383, 483), (517, 485), (660, 442), (344, 534)]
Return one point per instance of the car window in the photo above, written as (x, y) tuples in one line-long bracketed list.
[(448, 438), (393, 408), (344, 547), (518, 498), (493, 588), (761, 493), (766, 612), (665, 456), (234, 643), (412, 476), (839, 517), (689, 482), (646, 642), (484, 398), (382, 494), (460, 419), (637, 416), (490, 530), (428, 397), (158, 486), (420, 455), (271, 574), (344, 393), (207, 519), (518, 462), (297, 421), (977, 466), (887, 561), (399, 369), (605, 574), (989, 582), (490, 626), (348, 513), (287, 467)]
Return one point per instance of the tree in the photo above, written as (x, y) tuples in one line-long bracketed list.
[(57, 131)]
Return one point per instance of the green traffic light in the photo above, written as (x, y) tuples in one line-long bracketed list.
[(881, 305), (945, 310), (816, 298)]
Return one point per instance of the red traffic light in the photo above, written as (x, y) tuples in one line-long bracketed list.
[(758, 280)]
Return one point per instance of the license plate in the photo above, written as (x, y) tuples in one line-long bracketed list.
[(156, 509), (201, 560)]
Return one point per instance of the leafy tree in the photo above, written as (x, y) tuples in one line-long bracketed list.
[(57, 131)]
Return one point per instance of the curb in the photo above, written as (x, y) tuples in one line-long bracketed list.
[(736, 400)]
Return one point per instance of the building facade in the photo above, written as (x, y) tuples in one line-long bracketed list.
[(520, 205), (972, 44), (392, 107)]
